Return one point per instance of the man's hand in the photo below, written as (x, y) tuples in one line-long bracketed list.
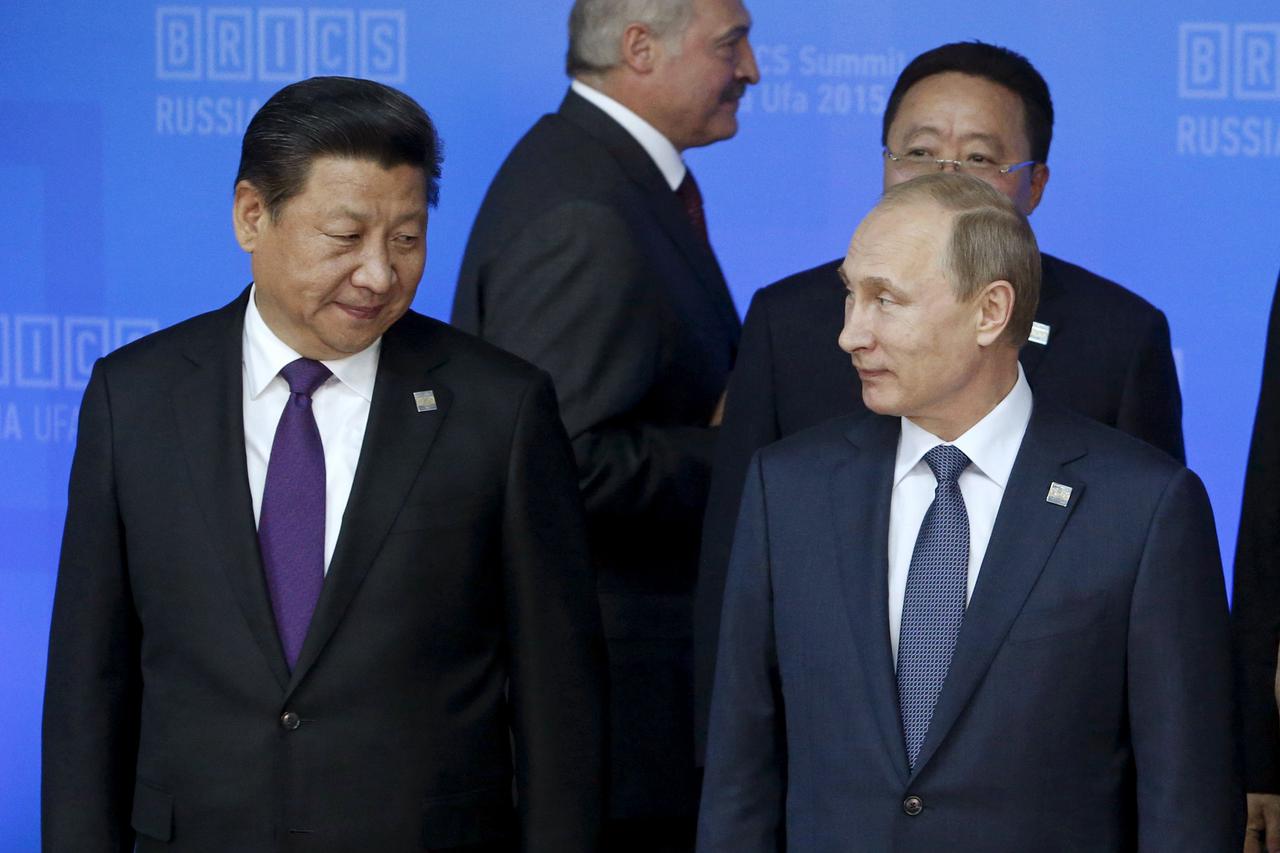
[(1262, 829)]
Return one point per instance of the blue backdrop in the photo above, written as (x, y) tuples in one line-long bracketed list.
[(119, 132)]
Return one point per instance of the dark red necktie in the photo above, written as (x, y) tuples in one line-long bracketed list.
[(691, 197)]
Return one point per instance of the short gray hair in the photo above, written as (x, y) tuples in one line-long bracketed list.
[(596, 27), (990, 241)]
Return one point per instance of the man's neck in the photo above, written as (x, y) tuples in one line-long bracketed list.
[(994, 389), (614, 84)]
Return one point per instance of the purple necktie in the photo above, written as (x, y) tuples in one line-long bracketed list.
[(691, 197), (291, 524)]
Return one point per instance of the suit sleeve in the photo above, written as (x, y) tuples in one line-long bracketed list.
[(570, 295), (750, 423), (1181, 705), (744, 788), (1151, 405), (93, 683), (557, 685), (1256, 591)]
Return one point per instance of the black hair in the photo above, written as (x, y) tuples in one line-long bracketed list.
[(335, 117), (1001, 66)]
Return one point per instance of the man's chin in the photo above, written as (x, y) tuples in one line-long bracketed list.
[(880, 403)]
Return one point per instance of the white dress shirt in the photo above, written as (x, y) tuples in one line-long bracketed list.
[(660, 150), (340, 405), (991, 445)]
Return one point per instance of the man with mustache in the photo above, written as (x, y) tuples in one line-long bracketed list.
[(590, 258)]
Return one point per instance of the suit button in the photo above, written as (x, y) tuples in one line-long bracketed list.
[(290, 721), (913, 805)]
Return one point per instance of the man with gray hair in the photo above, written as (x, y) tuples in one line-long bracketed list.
[(971, 620), (590, 257)]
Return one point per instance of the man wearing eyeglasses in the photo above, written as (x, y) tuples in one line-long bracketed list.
[(1094, 347)]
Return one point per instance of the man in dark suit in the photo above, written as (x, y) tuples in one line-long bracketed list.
[(324, 559), (589, 257), (972, 620), (1095, 347), (1255, 604)]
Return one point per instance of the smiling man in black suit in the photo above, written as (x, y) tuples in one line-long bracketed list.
[(324, 558)]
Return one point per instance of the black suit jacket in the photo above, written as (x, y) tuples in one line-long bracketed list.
[(1256, 596), (1107, 357), (458, 605), (1088, 703), (582, 261)]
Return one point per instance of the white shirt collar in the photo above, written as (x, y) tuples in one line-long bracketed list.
[(991, 444), (659, 148), (265, 354)]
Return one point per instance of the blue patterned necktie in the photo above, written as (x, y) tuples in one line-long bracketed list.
[(933, 607), (291, 522)]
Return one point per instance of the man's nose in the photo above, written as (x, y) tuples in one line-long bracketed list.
[(747, 68), (375, 272), (855, 334)]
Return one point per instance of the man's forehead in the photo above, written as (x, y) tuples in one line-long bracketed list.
[(992, 104), (897, 234), (723, 16)]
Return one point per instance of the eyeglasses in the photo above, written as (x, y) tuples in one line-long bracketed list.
[(918, 162)]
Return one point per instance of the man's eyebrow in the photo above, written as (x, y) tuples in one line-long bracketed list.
[(735, 33), (921, 130), (848, 285), (342, 211), (876, 281), (930, 130), (993, 141)]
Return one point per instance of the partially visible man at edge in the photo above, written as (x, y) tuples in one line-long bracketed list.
[(324, 560), (1255, 603), (590, 258), (1095, 347)]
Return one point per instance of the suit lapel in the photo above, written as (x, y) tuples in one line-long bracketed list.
[(1048, 312), (861, 489), (208, 406), (1026, 530), (665, 206), (396, 441)]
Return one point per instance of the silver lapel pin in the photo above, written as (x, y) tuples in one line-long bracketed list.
[(1039, 334), (425, 400), (1059, 494)]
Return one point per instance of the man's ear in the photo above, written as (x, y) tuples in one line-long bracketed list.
[(639, 48), (249, 215), (1039, 179), (993, 311)]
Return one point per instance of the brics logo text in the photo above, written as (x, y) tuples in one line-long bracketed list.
[(57, 352), (1220, 61), (278, 45)]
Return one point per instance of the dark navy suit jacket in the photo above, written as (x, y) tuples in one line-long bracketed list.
[(1107, 356), (1088, 703)]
